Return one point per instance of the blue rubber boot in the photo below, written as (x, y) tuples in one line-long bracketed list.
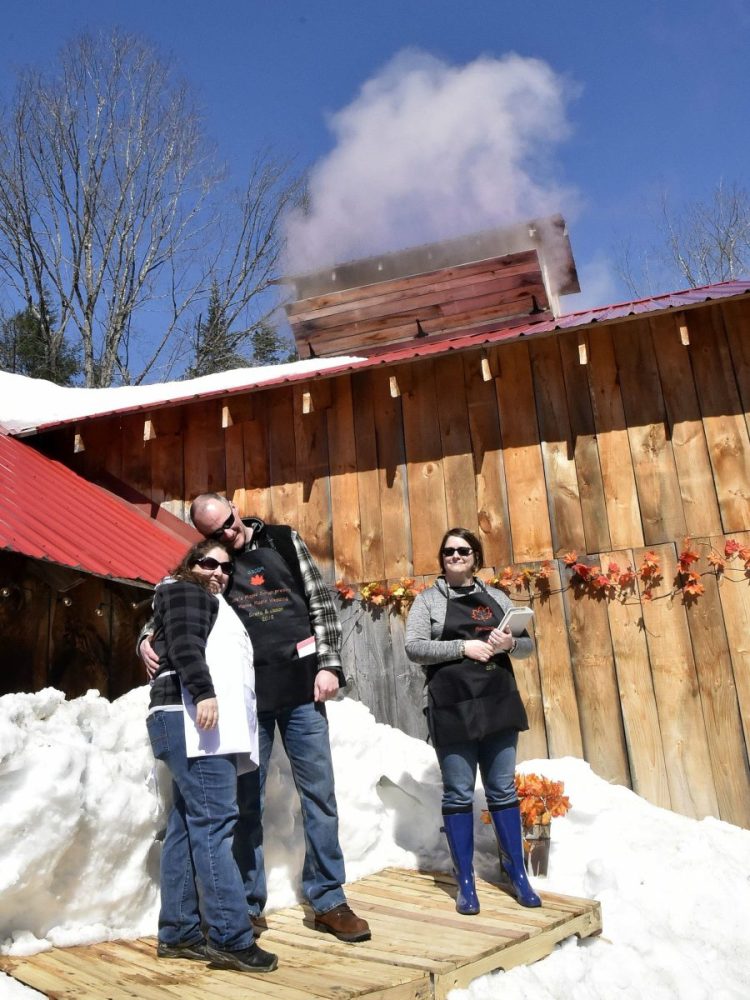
[(459, 831), (507, 824)]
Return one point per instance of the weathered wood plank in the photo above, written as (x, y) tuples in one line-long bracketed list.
[(458, 463), (167, 463), (394, 288), (561, 713), (723, 416), (595, 681), (726, 741), (532, 744), (314, 511), (566, 519), (737, 326), (662, 516), (258, 500), (635, 686), (203, 449), (392, 477), (689, 447), (585, 450), (344, 484), (734, 594), (282, 458), (527, 497), (368, 476), (623, 514), (681, 721), (426, 484), (486, 444)]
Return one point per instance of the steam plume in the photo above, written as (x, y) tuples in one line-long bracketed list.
[(427, 151)]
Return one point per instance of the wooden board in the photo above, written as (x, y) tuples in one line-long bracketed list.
[(659, 497), (392, 475), (635, 689), (282, 459), (596, 686), (420, 950), (623, 513), (527, 496), (566, 519), (556, 673), (344, 484), (683, 729), (723, 416), (458, 462), (726, 742), (585, 450), (427, 501), (368, 476), (689, 447), (737, 325), (734, 593), (486, 445), (203, 450), (314, 510)]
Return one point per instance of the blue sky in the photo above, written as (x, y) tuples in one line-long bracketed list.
[(655, 94)]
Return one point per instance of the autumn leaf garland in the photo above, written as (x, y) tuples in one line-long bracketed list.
[(610, 582)]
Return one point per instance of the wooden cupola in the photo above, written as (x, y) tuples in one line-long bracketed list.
[(493, 280)]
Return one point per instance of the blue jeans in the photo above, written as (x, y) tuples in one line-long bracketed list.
[(304, 733), (496, 757), (198, 844)]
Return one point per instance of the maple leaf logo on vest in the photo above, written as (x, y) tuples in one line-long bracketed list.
[(481, 614), (257, 579)]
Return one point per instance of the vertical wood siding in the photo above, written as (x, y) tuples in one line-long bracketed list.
[(644, 445)]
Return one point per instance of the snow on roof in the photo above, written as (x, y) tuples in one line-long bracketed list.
[(29, 405)]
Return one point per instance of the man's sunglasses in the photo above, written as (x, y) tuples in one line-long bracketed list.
[(463, 550), (225, 527), (209, 563)]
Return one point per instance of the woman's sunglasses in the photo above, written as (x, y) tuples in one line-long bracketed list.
[(462, 550), (209, 563)]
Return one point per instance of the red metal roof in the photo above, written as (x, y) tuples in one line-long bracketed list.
[(423, 348), (48, 512)]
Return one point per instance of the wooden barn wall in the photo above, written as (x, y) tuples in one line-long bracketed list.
[(645, 444), (63, 629)]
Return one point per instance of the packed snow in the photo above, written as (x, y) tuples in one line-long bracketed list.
[(82, 816)]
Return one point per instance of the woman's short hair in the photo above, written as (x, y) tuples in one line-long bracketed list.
[(471, 540), (184, 569)]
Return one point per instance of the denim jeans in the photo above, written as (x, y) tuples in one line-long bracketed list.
[(304, 733), (496, 757), (198, 844)]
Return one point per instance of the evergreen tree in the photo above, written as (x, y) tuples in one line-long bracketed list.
[(216, 348), (27, 349), (271, 348)]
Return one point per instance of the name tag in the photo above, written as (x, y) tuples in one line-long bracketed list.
[(306, 647)]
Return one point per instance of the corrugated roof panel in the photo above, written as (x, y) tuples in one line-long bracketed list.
[(48, 512)]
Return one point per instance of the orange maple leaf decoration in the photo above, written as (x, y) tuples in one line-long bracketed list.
[(693, 585), (346, 593), (539, 798), (570, 559), (717, 562), (257, 579), (687, 557), (731, 546)]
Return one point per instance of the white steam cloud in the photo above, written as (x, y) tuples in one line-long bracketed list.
[(428, 151)]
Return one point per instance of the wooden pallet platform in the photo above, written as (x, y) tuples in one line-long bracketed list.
[(420, 949)]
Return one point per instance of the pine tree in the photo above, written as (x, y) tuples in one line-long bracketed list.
[(26, 348), (215, 346)]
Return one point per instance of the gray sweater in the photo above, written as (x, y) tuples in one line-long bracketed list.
[(426, 620)]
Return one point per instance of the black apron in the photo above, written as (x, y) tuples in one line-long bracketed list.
[(266, 595), (468, 700)]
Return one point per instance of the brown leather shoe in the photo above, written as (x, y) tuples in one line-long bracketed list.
[(342, 922)]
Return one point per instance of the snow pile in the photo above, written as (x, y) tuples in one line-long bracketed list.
[(81, 820)]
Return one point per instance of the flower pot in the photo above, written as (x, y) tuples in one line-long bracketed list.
[(536, 843)]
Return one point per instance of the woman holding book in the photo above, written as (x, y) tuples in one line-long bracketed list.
[(474, 711)]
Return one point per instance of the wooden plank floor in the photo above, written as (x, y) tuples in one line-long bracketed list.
[(420, 949)]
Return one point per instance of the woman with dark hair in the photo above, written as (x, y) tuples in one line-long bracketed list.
[(204, 651), (474, 711)]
